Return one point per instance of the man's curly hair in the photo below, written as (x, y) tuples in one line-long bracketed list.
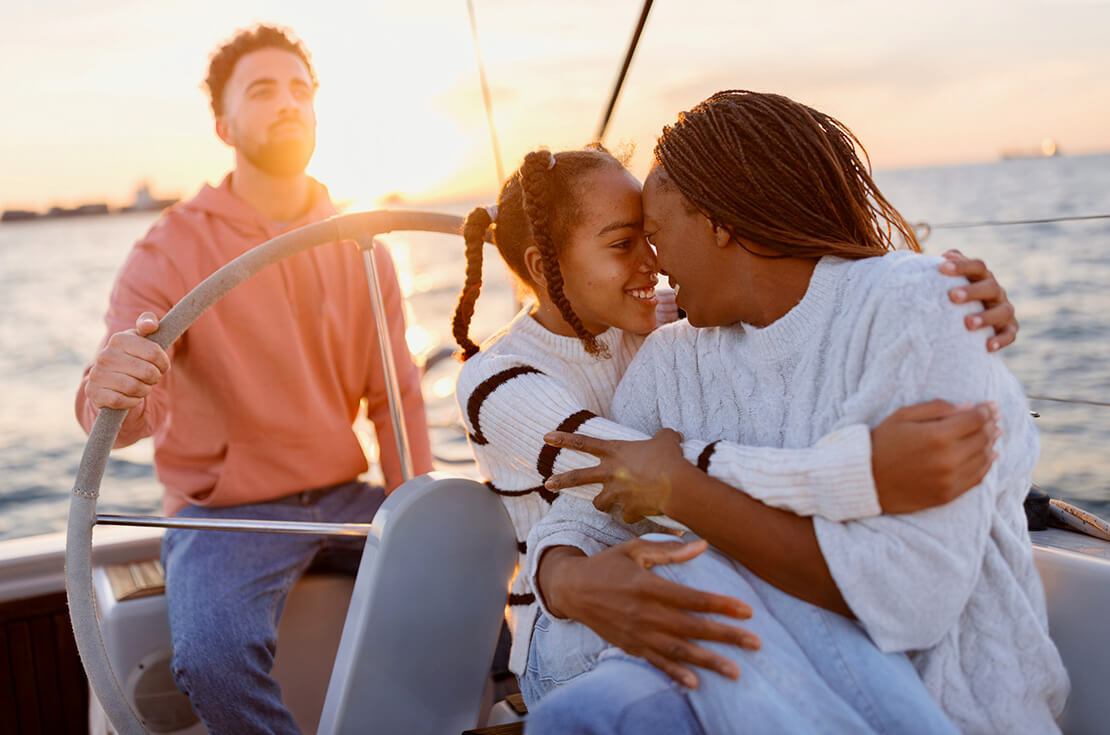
[(224, 59)]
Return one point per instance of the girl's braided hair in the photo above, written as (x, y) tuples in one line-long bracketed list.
[(538, 206)]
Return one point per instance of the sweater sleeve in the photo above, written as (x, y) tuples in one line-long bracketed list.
[(909, 577), (832, 479), (408, 383), (508, 406), (147, 281)]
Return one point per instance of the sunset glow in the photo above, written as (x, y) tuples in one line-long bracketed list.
[(102, 96)]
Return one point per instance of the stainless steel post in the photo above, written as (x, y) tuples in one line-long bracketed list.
[(366, 243)]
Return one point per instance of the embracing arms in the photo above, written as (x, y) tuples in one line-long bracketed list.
[(563, 575)]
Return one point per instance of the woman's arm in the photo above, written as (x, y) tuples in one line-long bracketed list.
[(905, 576), (919, 457), (511, 406), (740, 526)]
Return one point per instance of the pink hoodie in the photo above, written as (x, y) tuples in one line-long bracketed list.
[(265, 386)]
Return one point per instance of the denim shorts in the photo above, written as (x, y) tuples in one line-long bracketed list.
[(560, 651)]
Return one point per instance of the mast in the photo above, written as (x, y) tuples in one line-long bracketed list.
[(604, 124)]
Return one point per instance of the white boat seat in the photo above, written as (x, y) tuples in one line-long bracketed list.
[(419, 624), (425, 613), (1075, 570), (137, 636)]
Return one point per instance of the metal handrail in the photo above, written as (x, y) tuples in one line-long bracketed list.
[(303, 528)]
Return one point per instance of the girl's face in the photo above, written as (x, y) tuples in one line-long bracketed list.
[(609, 270)]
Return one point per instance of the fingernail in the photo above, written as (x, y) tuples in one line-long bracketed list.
[(551, 485), (732, 672), (959, 294), (753, 643), (975, 322), (690, 681), (948, 266), (992, 345), (551, 439)]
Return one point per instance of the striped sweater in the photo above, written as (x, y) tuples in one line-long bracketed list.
[(528, 381)]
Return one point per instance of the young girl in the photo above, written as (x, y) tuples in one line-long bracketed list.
[(569, 226), (800, 321)]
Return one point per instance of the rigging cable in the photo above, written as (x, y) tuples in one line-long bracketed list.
[(1077, 401), (486, 95), (925, 229), (604, 124)]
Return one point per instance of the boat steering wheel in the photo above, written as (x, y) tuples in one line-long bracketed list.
[(360, 227)]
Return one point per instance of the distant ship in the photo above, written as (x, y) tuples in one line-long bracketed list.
[(1048, 149), (147, 202)]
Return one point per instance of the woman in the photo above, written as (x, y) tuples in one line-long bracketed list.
[(569, 226), (753, 190)]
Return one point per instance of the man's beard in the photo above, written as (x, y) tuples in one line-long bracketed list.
[(286, 157)]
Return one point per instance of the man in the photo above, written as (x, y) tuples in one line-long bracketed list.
[(254, 420)]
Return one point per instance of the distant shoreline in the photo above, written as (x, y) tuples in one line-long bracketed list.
[(98, 209)]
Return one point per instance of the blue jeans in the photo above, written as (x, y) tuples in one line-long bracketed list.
[(817, 672), (225, 592)]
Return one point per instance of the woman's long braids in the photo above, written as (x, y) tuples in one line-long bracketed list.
[(779, 174), (538, 205), (474, 233)]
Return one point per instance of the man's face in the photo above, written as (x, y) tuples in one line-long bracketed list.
[(688, 251), (268, 112)]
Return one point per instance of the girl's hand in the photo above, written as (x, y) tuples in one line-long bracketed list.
[(998, 311), (666, 311), (931, 453), (636, 475), (615, 595)]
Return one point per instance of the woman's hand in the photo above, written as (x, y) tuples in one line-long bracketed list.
[(615, 595), (638, 476), (929, 454), (998, 311)]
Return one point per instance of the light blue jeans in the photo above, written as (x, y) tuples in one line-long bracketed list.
[(225, 592), (817, 672)]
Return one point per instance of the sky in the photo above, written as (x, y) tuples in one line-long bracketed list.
[(99, 96)]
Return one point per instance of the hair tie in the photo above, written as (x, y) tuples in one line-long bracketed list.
[(551, 163), (492, 212)]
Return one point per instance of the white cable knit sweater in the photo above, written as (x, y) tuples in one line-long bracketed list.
[(955, 586), (528, 381)]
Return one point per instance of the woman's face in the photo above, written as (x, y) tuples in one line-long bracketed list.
[(609, 270), (689, 254)]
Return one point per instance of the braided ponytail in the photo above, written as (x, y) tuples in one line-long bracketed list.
[(474, 232), (536, 177)]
